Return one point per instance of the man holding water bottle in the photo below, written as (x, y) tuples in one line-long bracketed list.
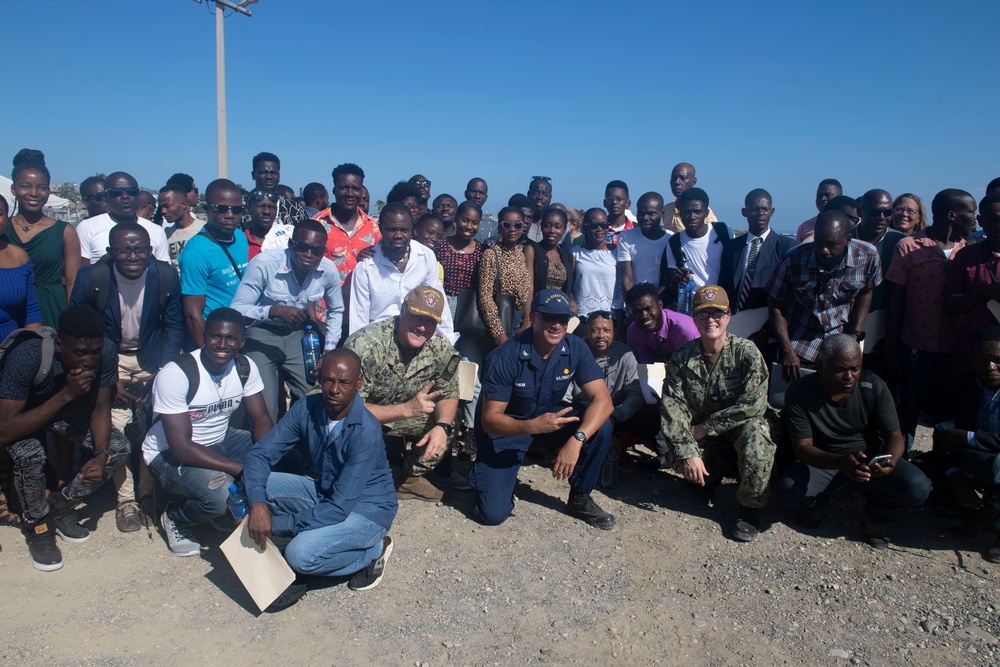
[(278, 292)]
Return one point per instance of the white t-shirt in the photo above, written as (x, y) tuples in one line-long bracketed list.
[(704, 257), (210, 409), (645, 255), (130, 293), (94, 233)]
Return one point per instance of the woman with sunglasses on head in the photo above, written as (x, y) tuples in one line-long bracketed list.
[(551, 264), (52, 245), (908, 214), (504, 272), (263, 230), (595, 266)]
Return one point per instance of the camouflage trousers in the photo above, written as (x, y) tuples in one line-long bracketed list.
[(404, 454), (754, 450)]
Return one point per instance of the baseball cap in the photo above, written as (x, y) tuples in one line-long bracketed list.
[(425, 301), (710, 297), (552, 302)]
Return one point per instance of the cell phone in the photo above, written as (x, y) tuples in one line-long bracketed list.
[(879, 460), (135, 388)]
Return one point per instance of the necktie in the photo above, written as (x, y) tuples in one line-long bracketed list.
[(751, 268)]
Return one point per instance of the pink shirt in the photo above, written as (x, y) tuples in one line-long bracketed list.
[(806, 229), (650, 348), (921, 268)]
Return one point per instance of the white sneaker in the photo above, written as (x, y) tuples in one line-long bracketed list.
[(178, 541)]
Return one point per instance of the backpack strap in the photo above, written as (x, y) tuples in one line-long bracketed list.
[(48, 349), (675, 249), (867, 386), (166, 282), (189, 365), (242, 367), (721, 232), (100, 285)]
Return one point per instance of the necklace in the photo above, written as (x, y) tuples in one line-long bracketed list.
[(25, 225), (402, 260)]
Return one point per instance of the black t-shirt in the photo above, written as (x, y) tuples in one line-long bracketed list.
[(842, 427), (21, 366)]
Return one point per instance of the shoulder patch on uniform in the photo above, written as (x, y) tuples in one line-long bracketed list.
[(452, 365)]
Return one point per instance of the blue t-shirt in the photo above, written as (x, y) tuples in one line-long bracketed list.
[(530, 385), (206, 271)]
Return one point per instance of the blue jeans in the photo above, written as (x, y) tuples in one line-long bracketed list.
[(331, 551), (205, 491)]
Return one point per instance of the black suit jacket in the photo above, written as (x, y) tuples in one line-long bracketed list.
[(731, 276)]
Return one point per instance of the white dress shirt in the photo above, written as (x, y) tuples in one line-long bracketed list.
[(378, 288)]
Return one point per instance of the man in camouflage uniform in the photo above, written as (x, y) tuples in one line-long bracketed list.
[(411, 386), (714, 402)]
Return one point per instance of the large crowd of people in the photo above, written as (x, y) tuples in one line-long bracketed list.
[(163, 352)]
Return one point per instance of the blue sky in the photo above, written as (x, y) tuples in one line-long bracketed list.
[(896, 95)]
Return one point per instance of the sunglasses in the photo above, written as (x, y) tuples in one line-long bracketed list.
[(507, 224), (603, 314), (541, 178), (879, 212), (261, 195), (595, 225), (115, 193), (552, 319), (710, 315), (97, 196), (222, 209), (422, 183), (140, 251), (315, 250)]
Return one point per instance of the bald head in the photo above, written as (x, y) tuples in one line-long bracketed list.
[(682, 177), (341, 356)]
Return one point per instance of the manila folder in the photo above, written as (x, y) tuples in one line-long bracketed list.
[(264, 574)]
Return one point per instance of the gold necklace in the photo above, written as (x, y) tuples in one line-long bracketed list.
[(25, 225)]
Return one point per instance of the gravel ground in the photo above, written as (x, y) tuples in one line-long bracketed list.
[(668, 586)]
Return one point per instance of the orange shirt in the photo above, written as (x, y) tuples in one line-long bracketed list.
[(343, 248)]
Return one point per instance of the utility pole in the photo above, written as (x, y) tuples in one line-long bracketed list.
[(220, 74)]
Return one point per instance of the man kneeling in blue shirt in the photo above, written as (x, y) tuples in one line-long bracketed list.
[(525, 381), (337, 520)]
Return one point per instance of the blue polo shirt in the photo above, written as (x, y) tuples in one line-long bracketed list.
[(206, 271), (531, 386)]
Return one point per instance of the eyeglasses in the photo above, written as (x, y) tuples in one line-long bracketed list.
[(140, 251), (595, 225), (552, 319), (711, 315), (879, 212), (615, 200), (222, 209), (315, 250), (115, 193), (422, 182), (541, 178), (260, 195), (97, 196), (507, 224), (905, 209)]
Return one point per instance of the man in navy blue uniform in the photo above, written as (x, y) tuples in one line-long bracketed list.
[(524, 381)]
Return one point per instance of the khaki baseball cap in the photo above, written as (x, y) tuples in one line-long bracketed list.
[(710, 297), (425, 301)]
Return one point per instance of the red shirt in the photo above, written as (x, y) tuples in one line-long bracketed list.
[(343, 248), (253, 248), (975, 266)]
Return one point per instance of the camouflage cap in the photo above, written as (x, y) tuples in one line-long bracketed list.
[(425, 301), (710, 297)]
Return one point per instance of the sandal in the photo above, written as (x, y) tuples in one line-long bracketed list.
[(8, 518)]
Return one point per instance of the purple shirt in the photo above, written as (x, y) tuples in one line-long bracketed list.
[(650, 348)]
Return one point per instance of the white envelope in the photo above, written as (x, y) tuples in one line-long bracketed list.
[(264, 574)]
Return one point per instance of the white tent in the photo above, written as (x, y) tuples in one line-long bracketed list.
[(55, 203)]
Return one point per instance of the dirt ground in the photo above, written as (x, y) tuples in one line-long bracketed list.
[(668, 586)]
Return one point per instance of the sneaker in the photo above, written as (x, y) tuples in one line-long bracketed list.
[(41, 539), (748, 525), (583, 507), (371, 576), (67, 523), (179, 541), (128, 517), (290, 596), (418, 488), (993, 553), (875, 533)]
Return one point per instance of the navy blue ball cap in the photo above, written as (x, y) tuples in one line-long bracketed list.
[(551, 302)]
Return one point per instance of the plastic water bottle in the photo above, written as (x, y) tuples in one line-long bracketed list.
[(237, 502), (609, 471), (685, 296), (311, 353)]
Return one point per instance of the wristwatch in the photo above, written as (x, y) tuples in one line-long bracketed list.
[(581, 436), (446, 426), (860, 335)]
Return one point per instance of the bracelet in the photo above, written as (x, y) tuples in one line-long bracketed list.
[(106, 452)]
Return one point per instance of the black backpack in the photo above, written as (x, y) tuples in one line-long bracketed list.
[(188, 364), (47, 336), (100, 283)]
